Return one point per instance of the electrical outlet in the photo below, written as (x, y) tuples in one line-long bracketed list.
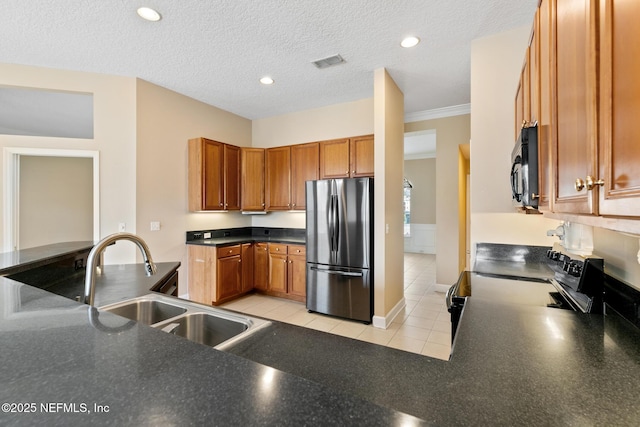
[(122, 227), (207, 235), (155, 225)]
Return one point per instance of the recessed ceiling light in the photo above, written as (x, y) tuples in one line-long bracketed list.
[(410, 41), (266, 81), (149, 14)]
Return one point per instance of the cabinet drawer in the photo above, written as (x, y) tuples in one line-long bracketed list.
[(277, 248), (297, 250), (226, 251)]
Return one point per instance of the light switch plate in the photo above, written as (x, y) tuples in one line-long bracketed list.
[(155, 225)]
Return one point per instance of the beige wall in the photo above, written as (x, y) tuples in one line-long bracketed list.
[(114, 137), (422, 174), (389, 161), (318, 124), (166, 120), (450, 133), (56, 200), (496, 62)]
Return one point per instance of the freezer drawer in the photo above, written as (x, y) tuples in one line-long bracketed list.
[(339, 291)]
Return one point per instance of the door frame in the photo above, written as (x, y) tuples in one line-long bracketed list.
[(11, 188)]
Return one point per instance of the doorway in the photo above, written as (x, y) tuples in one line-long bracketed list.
[(50, 196)]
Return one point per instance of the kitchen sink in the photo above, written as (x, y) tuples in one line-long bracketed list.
[(206, 329), (148, 311), (199, 323)]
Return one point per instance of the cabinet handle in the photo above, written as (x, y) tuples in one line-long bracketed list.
[(579, 184), (591, 183), (534, 196)]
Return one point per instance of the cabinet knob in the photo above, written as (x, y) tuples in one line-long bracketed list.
[(346, 173), (263, 205), (534, 196), (239, 260), (294, 205), (220, 204), (591, 183), (284, 260), (579, 184), (290, 261)]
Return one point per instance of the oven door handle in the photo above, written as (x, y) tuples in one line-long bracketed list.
[(449, 296)]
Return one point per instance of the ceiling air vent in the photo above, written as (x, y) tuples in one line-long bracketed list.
[(329, 61)]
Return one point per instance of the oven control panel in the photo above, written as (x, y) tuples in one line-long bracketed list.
[(579, 280)]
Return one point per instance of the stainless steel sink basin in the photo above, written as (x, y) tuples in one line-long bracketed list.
[(206, 329), (148, 311), (200, 323)]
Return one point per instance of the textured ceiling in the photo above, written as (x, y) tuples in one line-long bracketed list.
[(216, 50)]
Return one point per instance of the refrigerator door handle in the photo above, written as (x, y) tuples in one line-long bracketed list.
[(336, 223), (330, 223), (338, 272)]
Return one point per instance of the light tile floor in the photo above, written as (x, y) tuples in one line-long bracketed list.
[(422, 327)]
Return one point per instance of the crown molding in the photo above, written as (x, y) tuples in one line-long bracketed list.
[(438, 113)]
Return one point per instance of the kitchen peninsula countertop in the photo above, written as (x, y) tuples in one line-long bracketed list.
[(515, 362)]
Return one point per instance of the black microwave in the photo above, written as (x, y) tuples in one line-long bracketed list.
[(524, 169)]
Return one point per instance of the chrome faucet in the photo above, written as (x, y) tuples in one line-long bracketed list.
[(94, 256)]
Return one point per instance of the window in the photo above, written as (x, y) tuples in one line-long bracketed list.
[(407, 207)]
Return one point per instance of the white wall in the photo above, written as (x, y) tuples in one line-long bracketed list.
[(114, 136), (496, 62), (56, 200), (166, 120), (388, 224)]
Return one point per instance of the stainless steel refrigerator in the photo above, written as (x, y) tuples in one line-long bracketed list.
[(340, 247)]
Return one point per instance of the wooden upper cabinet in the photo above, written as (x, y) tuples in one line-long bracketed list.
[(206, 175), (619, 108), (574, 154), (278, 174), (519, 108), (334, 159), (361, 156), (231, 177), (542, 41), (214, 175), (252, 179), (305, 165), (347, 158)]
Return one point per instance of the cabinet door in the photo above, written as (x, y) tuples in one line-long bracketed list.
[(231, 177), (543, 41), (620, 108), (574, 81), (247, 267), (334, 159), (261, 266), (278, 173), (206, 175), (229, 276), (252, 179), (519, 107), (362, 156), (278, 267), (202, 270), (526, 87), (297, 271), (305, 165)]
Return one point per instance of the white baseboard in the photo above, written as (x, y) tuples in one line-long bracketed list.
[(438, 287), (383, 322)]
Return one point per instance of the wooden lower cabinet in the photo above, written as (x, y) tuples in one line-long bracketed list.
[(216, 274), (219, 274), (287, 271), (261, 266)]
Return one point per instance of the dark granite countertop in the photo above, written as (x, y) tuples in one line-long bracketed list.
[(234, 236), (17, 261), (53, 356), (225, 241), (515, 362)]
